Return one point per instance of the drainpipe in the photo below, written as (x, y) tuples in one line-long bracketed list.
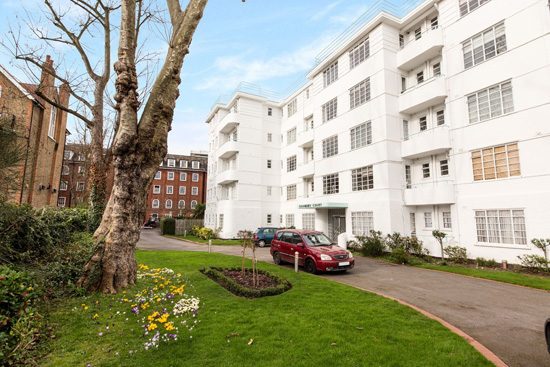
[(26, 155)]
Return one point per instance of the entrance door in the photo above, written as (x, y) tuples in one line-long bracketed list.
[(337, 223)]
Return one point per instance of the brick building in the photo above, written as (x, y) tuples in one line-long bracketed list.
[(40, 131), (178, 186), (73, 187)]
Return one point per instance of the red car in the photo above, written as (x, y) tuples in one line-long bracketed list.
[(316, 252)]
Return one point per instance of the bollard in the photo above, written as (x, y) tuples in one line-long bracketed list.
[(296, 261), (504, 265), (209, 245)]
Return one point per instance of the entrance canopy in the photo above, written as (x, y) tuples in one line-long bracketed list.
[(323, 206)]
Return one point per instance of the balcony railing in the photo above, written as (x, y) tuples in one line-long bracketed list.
[(429, 93), (430, 193), (433, 141), (417, 51)]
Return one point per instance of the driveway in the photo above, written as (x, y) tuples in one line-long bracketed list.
[(506, 319)]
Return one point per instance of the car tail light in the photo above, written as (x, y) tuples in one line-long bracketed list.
[(255, 237)]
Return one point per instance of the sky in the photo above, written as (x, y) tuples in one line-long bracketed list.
[(269, 43)]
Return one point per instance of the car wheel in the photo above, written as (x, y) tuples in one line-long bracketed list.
[(310, 266), (261, 243), (277, 258)]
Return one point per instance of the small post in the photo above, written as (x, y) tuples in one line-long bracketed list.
[(504, 265), (209, 245), (296, 261), (185, 233)]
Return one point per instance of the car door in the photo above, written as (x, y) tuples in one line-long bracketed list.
[(286, 245), (299, 246), (268, 235)]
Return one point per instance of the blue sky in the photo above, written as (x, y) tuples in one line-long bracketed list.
[(271, 43)]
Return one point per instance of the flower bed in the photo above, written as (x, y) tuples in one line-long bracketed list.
[(242, 286)]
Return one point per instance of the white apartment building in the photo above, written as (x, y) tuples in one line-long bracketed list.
[(436, 119)]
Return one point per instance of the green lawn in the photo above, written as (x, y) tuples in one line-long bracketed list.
[(215, 241), (316, 323)]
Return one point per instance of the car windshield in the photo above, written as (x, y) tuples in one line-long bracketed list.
[(317, 239)]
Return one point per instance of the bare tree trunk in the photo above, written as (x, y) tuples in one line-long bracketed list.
[(138, 147)]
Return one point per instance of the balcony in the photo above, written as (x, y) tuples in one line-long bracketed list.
[(229, 122), (429, 93), (228, 149), (306, 169), (227, 177), (305, 139), (431, 193), (418, 51), (424, 143)]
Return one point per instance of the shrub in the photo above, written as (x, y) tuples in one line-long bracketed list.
[(167, 226), (395, 240), (206, 233), (399, 256), (19, 320), (372, 245), (535, 262), (486, 263), (456, 254), (195, 231)]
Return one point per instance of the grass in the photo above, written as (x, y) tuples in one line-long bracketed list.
[(526, 280), (316, 323), (215, 241)]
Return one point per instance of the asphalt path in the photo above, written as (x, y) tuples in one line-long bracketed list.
[(508, 320)]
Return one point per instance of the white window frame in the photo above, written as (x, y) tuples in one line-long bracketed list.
[(361, 135), (330, 74), (290, 220), (183, 163), (171, 162), (169, 189), (194, 190), (156, 189), (180, 202), (194, 204), (428, 220), (497, 100), (447, 220), (308, 221), (291, 164), (53, 122), (490, 226), (330, 110), (196, 164), (183, 176), (331, 184), (170, 176), (330, 146), (61, 202), (291, 192), (63, 186), (359, 94), (362, 223), (484, 45), (292, 107), (158, 175), (168, 204), (362, 178), (195, 177), (155, 203), (183, 190), (359, 53), (65, 170), (506, 155)]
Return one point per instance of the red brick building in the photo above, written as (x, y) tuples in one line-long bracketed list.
[(73, 188), (178, 186), (40, 131)]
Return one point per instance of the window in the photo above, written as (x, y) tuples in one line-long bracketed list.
[(412, 218), (155, 203), (440, 117), (434, 23), (269, 163), (183, 164), (405, 130), (408, 177), (181, 204), (417, 33), (330, 109), (501, 226), (491, 102), (194, 190), (196, 164), (426, 170), (183, 190), (444, 167), (331, 184), (437, 69), (423, 123), (270, 111), (291, 164), (330, 146), (269, 219), (447, 223), (269, 137), (361, 135), (359, 53), (330, 74), (291, 136), (290, 220), (269, 190), (80, 169), (168, 204), (158, 175), (53, 120), (484, 46), (359, 94), (307, 93), (362, 179), (281, 219), (171, 163), (403, 84), (428, 220), (362, 223), (496, 162), (80, 186), (195, 177), (170, 176), (292, 107), (467, 6), (308, 221), (156, 189), (401, 41), (63, 186), (67, 154), (65, 170), (291, 192), (235, 107), (61, 202), (194, 205), (420, 77), (169, 189), (183, 176)]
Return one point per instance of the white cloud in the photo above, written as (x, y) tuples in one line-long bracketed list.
[(323, 12), (348, 16)]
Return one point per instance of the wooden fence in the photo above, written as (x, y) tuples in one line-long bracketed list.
[(183, 226)]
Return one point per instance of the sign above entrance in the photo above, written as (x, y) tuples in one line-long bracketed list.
[(323, 206)]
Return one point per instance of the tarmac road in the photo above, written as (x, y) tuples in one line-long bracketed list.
[(507, 319)]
